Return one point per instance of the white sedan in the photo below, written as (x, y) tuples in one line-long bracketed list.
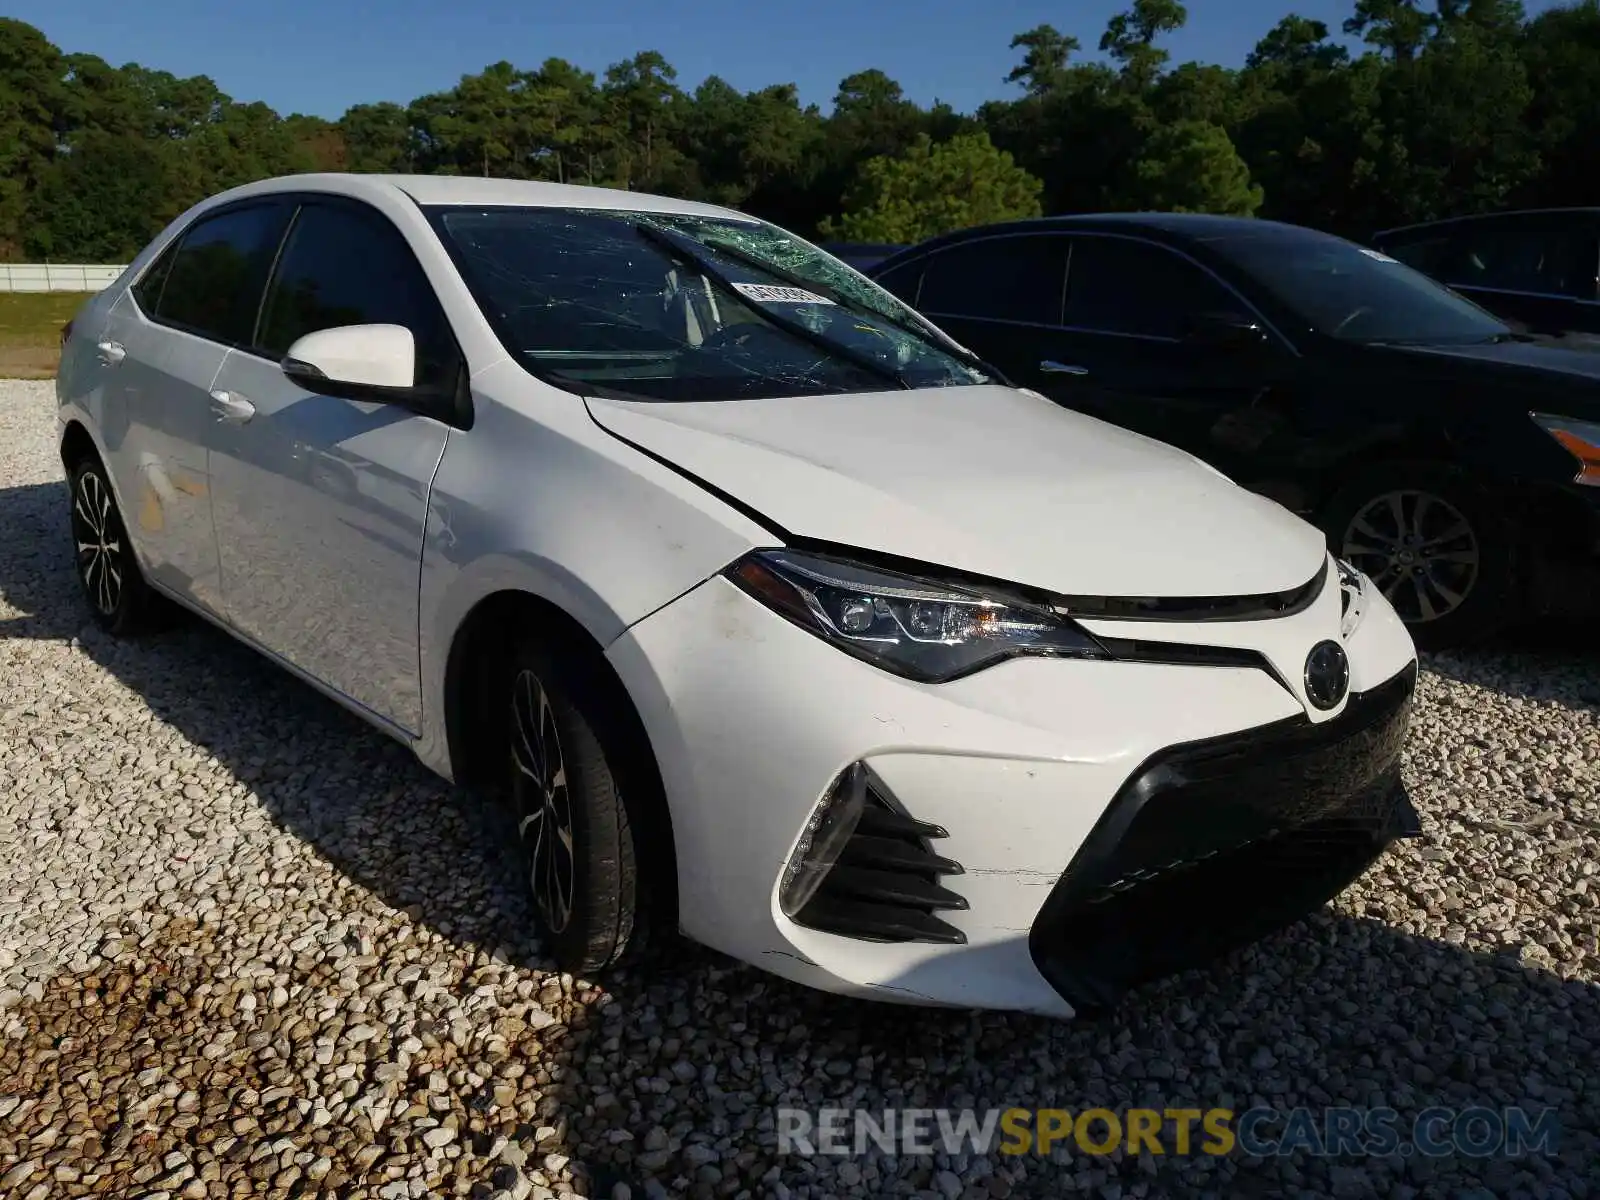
[(781, 619)]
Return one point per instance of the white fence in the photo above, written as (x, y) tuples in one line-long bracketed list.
[(56, 277)]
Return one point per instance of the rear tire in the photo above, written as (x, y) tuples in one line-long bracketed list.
[(120, 600), (1433, 544), (564, 760)]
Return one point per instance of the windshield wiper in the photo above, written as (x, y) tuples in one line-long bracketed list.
[(689, 258), (921, 332)]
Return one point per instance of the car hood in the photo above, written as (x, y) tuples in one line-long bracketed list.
[(987, 480), (1573, 371)]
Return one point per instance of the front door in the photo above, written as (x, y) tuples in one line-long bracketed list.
[(1132, 351), (1000, 296), (321, 503)]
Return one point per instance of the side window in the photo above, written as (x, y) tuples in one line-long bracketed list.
[(1121, 285), (1559, 262), (1015, 278), (213, 286), (148, 290), (903, 281), (346, 266), (1431, 256)]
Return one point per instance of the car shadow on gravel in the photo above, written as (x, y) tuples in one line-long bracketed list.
[(1545, 661), (668, 1078), (1336, 1011), (319, 771)]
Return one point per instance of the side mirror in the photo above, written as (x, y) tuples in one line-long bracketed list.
[(1227, 331), (356, 362)]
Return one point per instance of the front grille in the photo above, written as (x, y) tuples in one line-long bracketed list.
[(886, 885), (1190, 609), (1214, 844)]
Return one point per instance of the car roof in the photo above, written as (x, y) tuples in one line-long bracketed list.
[(475, 192), (1508, 216), (1186, 228)]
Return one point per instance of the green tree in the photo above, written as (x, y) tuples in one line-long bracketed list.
[(1296, 44), (1130, 39), (1399, 28), (1559, 52), (377, 138), (1450, 106), (637, 97), (933, 189), (102, 201), (32, 101), (1192, 166), (1046, 52)]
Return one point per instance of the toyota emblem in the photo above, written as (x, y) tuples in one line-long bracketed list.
[(1327, 675)]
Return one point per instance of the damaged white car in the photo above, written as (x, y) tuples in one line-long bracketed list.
[(783, 620)]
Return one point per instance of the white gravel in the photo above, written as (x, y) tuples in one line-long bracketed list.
[(249, 947)]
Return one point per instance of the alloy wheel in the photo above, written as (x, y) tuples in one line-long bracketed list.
[(544, 805), (1418, 549), (100, 548)]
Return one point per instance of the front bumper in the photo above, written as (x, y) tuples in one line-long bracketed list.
[(1022, 766), (1212, 845)]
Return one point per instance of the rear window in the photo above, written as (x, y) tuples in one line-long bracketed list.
[(213, 284), (1431, 256), (1539, 261)]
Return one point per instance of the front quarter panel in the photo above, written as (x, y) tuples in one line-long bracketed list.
[(537, 498)]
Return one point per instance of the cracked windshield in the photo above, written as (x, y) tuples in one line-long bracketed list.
[(653, 306)]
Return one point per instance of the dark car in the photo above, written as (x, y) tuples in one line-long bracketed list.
[(1538, 269), (861, 255), (1455, 461)]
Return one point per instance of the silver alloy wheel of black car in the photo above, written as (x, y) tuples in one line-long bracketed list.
[(1418, 549), (544, 805), (99, 549)]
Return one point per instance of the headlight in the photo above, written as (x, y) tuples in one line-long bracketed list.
[(920, 628), (1581, 439), (1352, 598)]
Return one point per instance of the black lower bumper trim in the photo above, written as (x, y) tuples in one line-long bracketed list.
[(1213, 844), (887, 884)]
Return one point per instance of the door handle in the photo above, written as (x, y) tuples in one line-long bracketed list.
[(232, 407), (111, 353), (1050, 367)]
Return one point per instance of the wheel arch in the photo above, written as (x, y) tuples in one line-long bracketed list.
[(474, 726), (76, 444)]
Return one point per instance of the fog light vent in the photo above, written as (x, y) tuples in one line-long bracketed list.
[(865, 869)]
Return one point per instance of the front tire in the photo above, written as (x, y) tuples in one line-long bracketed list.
[(577, 838), (119, 598), (1433, 545)]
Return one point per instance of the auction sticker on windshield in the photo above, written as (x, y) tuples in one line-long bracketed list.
[(767, 293)]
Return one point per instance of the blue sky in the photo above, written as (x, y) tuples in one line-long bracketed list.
[(321, 56)]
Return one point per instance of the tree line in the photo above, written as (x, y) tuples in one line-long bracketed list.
[(1448, 106)]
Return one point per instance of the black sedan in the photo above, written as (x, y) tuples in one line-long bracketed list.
[(1454, 460)]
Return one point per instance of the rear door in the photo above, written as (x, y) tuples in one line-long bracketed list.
[(160, 349), (1000, 296), (320, 502), (1133, 311)]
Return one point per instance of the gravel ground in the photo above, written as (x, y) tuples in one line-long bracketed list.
[(248, 947)]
